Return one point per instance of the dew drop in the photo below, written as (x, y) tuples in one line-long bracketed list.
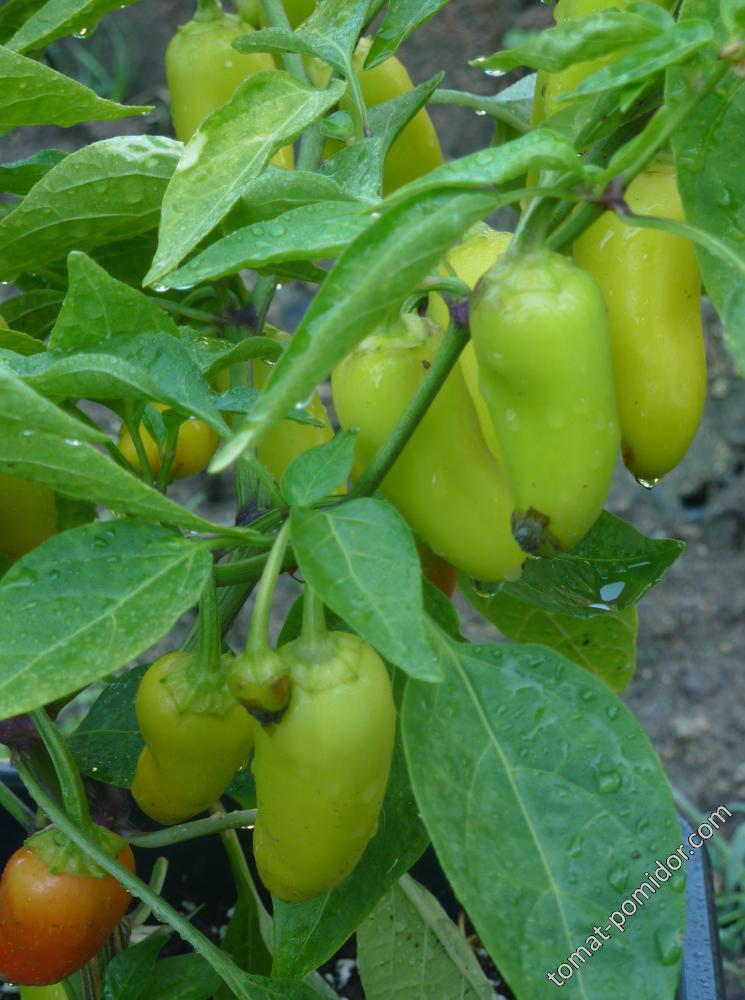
[(648, 484)]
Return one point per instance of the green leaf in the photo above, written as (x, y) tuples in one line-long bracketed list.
[(48, 97), (276, 191), (58, 18), (574, 40), (401, 19), (346, 554), (319, 471), (243, 940), (125, 586), (330, 33), (546, 808), (674, 46), (369, 282), (604, 645), (185, 977), (612, 568), (33, 312), (21, 343), (311, 232), (129, 366), (229, 150), (108, 741), (20, 176), (42, 443), (129, 973), (98, 306), (409, 946), (307, 934), (87, 200), (711, 186), (539, 150), (14, 13)]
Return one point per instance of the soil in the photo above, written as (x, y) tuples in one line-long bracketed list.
[(689, 686)]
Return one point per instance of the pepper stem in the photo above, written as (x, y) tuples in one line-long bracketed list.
[(258, 635), (71, 784), (314, 619), (208, 10)]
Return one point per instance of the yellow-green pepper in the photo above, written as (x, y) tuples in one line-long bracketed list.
[(190, 756), (542, 339), (447, 483), (28, 515), (322, 771), (203, 71), (651, 284)]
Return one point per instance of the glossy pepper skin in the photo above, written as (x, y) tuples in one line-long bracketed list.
[(322, 771), (446, 483), (189, 757), (550, 87), (52, 924), (542, 340), (417, 149), (288, 438), (28, 515), (651, 284), (470, 260), (203, 71), (196, 444)]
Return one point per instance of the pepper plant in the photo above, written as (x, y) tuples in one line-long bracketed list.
[(484, 385)]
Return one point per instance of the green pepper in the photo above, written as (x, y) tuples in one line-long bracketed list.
[(191, 753), (542, 340), (203, 70), (322, 771), (28, 515), (447, 483), (651, 284)]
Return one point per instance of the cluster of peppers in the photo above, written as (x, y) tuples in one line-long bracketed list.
[(569, 358)]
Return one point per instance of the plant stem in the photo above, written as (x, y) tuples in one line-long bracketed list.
[(16, 807), (311, 148), (277, 18), (481, 103), (454, 342), (163, 911), (258, 635), (216, 823), (632, 158), (208, 660), (261, 297), (133, 427), (188, 312), (240, 571), (156, 883), (169, 451), (358, 109), (71, 784)]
